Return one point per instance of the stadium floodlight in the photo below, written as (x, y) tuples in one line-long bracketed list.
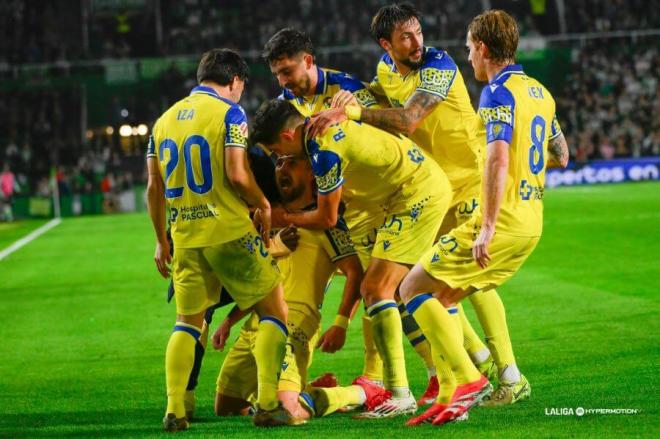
[(125, 130), (142, 129), (109, 130), (134, 131)]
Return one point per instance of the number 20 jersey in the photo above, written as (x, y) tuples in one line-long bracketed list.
[(520, 111), (189, 141)]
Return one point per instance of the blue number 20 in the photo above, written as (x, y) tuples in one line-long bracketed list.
[(537, 145), (205, 164)]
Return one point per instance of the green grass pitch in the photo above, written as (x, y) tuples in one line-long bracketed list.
[(85, 324)]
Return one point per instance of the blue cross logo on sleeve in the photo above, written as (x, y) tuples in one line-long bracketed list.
[(415, 154), (525, 190)]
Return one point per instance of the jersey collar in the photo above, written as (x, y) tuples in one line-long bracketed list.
[(506, 71), (321, 81), (202, 89)]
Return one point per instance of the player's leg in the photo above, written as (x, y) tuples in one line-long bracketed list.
[(373, 364), (442, 332), (378, 288), (237, 380), (194, 283), (363, 392)]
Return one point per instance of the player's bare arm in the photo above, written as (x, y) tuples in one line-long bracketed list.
[(323, 217), (334, 338), (394, 120), (403, 120), (558, 150), (494, 182), (241, 179), (156, 206), (222, 333)]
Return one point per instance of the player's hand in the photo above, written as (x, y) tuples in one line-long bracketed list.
[(163, 259), (332, 340), (221, 335), (261, 221), (343, 98), (277, 217), (480, 247), (320, 122), (290, 237)]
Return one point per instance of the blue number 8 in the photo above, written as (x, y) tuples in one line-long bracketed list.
[(205, 164), (537, 146)]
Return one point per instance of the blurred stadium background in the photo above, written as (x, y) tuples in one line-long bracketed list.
[(81, 83)]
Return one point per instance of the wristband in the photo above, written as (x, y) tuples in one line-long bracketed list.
[(341, 321), (353, 112)]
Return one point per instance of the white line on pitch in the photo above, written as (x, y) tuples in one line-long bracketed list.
[(29, 238)]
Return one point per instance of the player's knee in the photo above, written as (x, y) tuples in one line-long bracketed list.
[(406, 289), (373, 290)]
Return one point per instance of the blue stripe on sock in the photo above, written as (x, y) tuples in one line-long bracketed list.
[(308, 399), (415, 341), (195, 333), (452, 310), (373, 312), (277, 323), (417, 301)]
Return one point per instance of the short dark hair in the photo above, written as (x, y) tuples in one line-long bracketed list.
[(389, 17), (287, 42), (221, 66), (270, 119), (498, 31)]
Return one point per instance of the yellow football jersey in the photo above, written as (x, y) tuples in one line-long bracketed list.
[(376, 168), (451, 132), (329, 83), (519, 110), (189, 141), (308, 270)]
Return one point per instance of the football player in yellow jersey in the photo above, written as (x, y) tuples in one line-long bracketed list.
[(371, 169), (290, 57), (307, 271), (196, 160), (523, 136), (310, 88), (430, 103)]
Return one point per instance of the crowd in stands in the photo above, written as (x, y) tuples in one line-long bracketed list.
[(606, 106)]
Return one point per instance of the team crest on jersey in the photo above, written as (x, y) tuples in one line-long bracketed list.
[(501, 113), (415, 154), (436, 80)]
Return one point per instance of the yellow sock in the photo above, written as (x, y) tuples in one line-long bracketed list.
[(179, 359), (456, 318), (441, 332), (416, 339), (386, 324), (491, 314), (373, 365), (269, 355), (471, 340), (329, 400)]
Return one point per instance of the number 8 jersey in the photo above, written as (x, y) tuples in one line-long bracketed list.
[(189, 141), (520, 111)]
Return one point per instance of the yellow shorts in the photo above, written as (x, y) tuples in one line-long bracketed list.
[(464, 205), (238, 376), (243, 266), (450, 259), (363, 226)]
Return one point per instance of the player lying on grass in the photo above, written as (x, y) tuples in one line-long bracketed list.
[(519, 115), (387, 183), (306, 271)]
